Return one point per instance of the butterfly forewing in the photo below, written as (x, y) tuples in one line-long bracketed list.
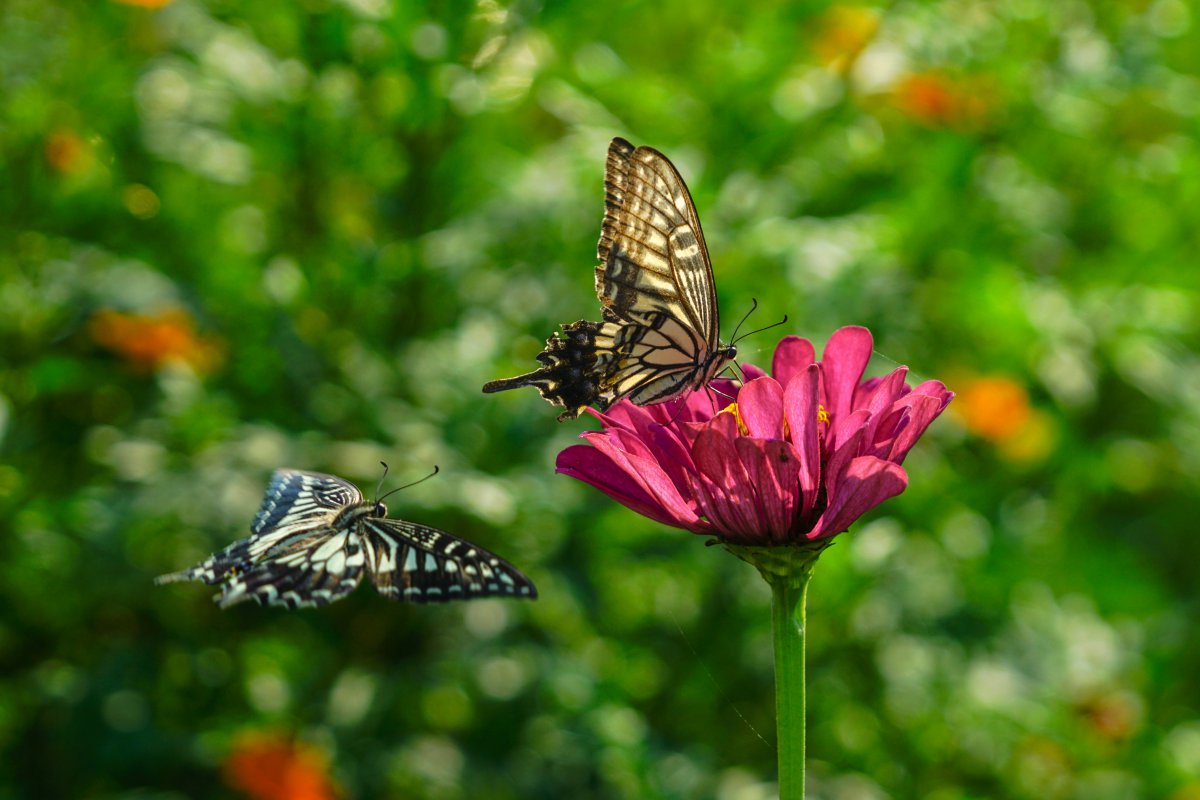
[(420, 564), (314, 536), (651, 250)]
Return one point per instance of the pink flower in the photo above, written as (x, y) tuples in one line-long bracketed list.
[(797, 457)]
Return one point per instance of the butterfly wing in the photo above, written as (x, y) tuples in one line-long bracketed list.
[(295, 503), (659, 336), (419, 564), (652, 252), (310, 568)]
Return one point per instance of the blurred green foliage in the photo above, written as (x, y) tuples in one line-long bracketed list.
[(236, 237)]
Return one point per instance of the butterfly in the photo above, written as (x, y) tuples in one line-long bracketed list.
[(659, 337), (314, 537)]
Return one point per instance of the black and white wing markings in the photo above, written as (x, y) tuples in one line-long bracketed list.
[(293, 496), (659, 337), (306, 571), (420, 564), (314, 537), (295, 503)]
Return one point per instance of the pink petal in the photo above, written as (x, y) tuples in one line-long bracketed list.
[(760, 405), (839, 459), (922, 410), (867, 482), (752, 373), (800, 400), (842, 365), (846, 426), (793, 355), (726, 479), (879, 404), (594, 468), (774, 469), (646, 472), (882, 392)]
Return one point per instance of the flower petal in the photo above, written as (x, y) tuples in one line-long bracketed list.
[(596, 469), (792, 357), (800, 400), (726, 479), (842, 367), (922, 410), (642, 466), (760, 406), (867, 482), (774, 469), (752, 373)]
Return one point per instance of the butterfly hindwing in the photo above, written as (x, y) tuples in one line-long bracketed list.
[(569, 376), (307, 570), (420, 564)]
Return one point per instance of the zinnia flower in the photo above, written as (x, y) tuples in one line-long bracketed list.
[(793, 461), (795, 458)]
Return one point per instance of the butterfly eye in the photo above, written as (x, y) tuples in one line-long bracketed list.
[(380, 510), (731, 352)]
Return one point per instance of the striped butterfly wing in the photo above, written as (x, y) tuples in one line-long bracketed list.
[(652, 252), (660, 337), (295, 504), (419, 564), (660, 334), (308, 569)]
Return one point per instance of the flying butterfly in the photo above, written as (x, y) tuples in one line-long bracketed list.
[(314, 537), (660, 334)]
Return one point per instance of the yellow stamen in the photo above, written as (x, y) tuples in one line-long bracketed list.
[(822, 414)]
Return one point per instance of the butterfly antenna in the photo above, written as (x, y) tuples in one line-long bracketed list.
[(436, 469), (382, 478), (760, 330), (753, 305)]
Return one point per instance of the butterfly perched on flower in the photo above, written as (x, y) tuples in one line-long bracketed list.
[(314, 537), (659, 337)]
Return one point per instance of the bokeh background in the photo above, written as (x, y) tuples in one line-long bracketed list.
[(242, 236)]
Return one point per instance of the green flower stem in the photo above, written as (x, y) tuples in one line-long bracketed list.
[(787, 569), (787, 626)]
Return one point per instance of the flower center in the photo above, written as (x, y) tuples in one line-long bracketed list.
[(822, 414)]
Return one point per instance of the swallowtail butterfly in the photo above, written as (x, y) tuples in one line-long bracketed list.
[(659, 337), (315, 536)]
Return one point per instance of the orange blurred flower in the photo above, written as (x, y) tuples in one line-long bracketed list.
[(271, 766), (145, 3), (842, 32), (936, 100), (997, 408), (68, 153), (148, 341)]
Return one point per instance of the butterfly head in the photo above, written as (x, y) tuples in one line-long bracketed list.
[(380, 510)]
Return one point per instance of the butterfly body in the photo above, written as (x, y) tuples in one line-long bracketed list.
[(659, 336), (315, 536)]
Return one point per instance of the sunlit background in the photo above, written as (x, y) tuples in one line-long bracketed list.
[(242, 236)]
